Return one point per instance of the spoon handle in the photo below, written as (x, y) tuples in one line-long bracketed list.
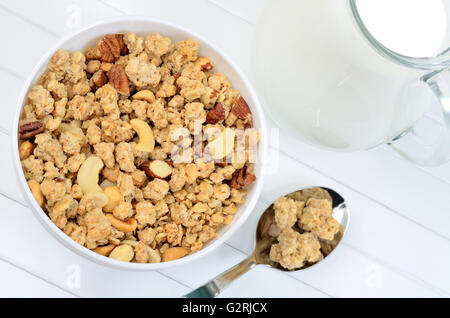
[(215, 286)]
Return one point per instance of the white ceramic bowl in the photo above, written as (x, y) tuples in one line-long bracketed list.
[(142, 25)]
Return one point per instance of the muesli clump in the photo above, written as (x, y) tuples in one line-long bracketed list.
[(102, 136), (302, 221)]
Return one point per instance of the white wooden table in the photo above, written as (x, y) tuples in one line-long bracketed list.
[(398, 244)]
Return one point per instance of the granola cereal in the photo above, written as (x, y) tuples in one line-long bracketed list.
[(303, 230), (110, 102), (294, 249), (317, 218)]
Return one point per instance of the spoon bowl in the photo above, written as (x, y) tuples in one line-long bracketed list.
[(264, 239)]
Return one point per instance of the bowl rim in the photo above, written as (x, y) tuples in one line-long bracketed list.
[(85, 252)]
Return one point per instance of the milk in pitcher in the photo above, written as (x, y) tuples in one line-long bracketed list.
[(322, 79)]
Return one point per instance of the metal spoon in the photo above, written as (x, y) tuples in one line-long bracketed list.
[(264, 241)]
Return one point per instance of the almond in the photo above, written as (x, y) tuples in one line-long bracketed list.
[(223, 145), (157, 169)]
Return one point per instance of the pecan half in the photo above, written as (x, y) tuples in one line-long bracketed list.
[(221, 163), (242, 178), (216, 114), (98, 80), (118, 78), (240, 108), (31, 129), (111, 47)]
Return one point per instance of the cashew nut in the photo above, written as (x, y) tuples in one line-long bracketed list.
[(104, 250), (128, 225), (146, 137), (174, 253), (88, 174), (124, 253), (99, 198), (115, 197), (223, 145), (146, 95), (35, 188)]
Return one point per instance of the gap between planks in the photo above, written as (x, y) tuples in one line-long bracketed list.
[(39, 277)]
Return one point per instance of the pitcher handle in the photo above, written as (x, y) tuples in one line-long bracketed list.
[(410, 147)]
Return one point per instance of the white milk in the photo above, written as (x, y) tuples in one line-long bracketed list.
[(410, 27), (322, 80)]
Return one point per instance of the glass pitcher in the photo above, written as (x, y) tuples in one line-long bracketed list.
[(323, 76)]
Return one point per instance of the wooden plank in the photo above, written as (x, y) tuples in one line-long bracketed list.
[(370, 279), (375, 229), (27, 44), (222, 29), (223, 258), (10, 188), (15, 279), (248, 10), (65, 16), (265, 282), (384, 177), (10, 88), (337, 264)]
